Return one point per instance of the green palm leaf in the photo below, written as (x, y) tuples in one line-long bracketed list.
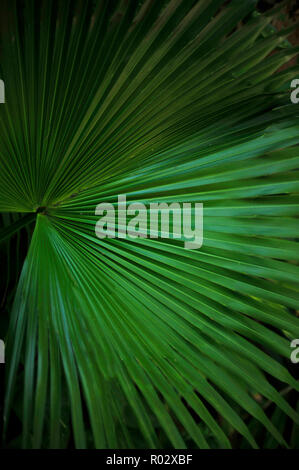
[(161, 101)]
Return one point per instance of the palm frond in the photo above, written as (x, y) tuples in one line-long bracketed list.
[(161, 101)]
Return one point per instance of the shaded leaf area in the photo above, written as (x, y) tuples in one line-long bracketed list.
[(9, 231), (140, 342)]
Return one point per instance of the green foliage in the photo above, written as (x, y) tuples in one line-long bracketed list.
[(141, 343)]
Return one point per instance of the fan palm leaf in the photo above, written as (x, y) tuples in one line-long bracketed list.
[(160, 101)]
